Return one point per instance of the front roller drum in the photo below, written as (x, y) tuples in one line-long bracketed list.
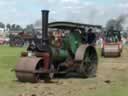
[(26, 69), (115, 52)]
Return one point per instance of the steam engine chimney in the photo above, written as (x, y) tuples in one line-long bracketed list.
[(44, 44)]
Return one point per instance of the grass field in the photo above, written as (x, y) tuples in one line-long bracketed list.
[(8, 59), (111, 80)]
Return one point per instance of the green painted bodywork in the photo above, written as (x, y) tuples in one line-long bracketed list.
[(59, 55), (74, 41), (70, 42)]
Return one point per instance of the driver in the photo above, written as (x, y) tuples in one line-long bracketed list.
[(91, 37)]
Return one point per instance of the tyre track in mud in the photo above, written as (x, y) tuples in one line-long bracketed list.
[(109, 70), (112, 68)]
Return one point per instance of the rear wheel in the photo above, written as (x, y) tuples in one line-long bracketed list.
[(88, 67)]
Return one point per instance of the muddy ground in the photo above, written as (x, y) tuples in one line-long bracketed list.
[(111, 80)]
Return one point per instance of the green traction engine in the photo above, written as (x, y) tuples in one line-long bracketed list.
[(61, 50)]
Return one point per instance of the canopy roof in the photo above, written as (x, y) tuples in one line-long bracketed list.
[(70, 25)]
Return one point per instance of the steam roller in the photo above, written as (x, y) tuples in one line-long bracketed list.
[(58, 51), (112, 44)]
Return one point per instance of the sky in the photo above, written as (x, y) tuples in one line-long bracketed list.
[(25, 12)]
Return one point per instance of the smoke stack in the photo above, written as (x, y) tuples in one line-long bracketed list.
[(45, 26), (43, 43)]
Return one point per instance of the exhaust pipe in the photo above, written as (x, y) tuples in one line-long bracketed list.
[(45, 26), (45, 45)]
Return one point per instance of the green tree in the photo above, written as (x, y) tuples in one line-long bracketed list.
[(13, 26), (29, 28), (8, 26), (18, 28), (2, 25)]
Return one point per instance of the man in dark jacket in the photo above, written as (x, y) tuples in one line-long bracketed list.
[(91, 37)]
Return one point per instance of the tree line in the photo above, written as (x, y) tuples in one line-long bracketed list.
[(16, 27)]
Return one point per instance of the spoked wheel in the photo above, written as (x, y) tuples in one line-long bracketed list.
[(88, 66)]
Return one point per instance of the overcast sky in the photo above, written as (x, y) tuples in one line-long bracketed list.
[(86, 11)]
